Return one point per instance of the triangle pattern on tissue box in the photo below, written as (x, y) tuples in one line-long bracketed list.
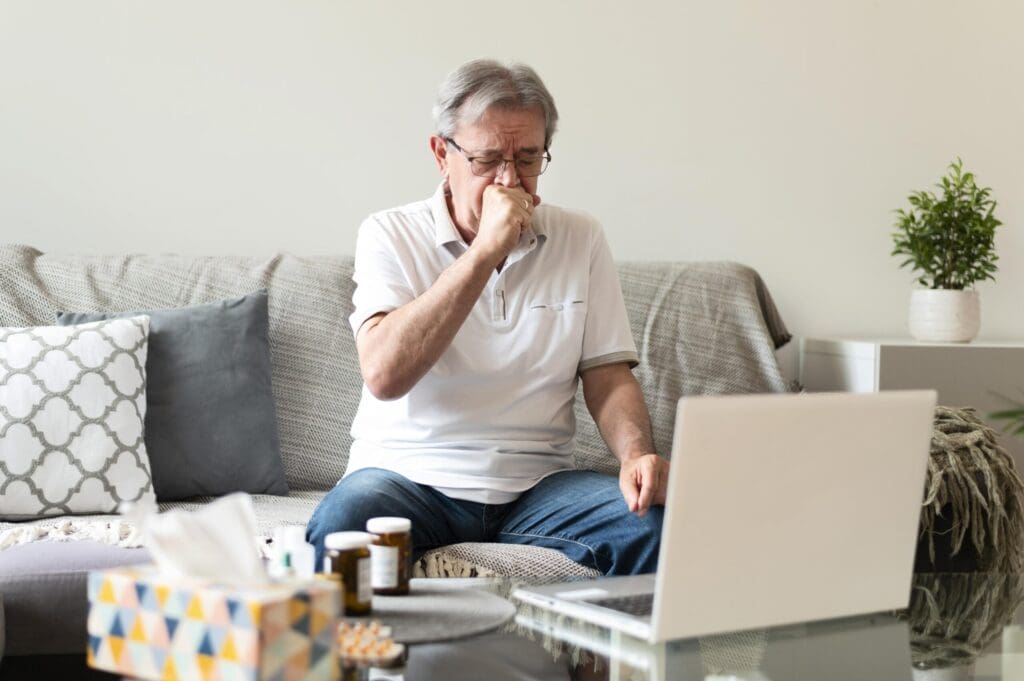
[(320, 620), (170, 671), (138, 634), (298, 607), (206, 645), (214, 606), (160, 658), (142, 660), (218, 635), (195, 609), (175, 604), (162, 592), (128, 599), (101, 617), (151, 629), (116, 649), (155, 629), (107, 593), (149, 597), (228, 651)]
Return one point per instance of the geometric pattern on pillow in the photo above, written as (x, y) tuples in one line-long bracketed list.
[(72, 409)]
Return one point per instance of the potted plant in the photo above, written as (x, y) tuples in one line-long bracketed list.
[(950, 240)]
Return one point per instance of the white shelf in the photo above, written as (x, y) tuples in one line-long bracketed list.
[(978, 374)]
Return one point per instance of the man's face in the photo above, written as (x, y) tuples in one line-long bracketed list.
[(500, 133)]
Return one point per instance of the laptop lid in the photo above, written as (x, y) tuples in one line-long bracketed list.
[(789, 508)]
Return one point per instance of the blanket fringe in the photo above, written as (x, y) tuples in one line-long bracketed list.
[(113, 532), (439, 564)]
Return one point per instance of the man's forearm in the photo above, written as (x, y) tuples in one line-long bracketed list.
[(397, 349), (617, 404)]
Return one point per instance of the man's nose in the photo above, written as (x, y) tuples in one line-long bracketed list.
[(507, 175)]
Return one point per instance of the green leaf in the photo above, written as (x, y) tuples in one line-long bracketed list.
[(949, 238)]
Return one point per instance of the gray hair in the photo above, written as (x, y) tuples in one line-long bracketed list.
[(478, 85)]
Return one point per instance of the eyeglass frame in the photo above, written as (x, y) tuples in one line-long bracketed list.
[(504, 161)]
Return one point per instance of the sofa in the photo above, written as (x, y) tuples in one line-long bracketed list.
[(700, 328)]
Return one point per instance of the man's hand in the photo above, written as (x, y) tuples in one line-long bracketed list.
[(505, 213), (644, 482)]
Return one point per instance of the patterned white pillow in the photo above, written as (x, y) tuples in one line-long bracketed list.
[(72, 408)]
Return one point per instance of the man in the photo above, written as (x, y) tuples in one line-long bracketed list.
[(476, 314)]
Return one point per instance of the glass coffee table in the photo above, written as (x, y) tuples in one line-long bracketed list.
[(958, 627)]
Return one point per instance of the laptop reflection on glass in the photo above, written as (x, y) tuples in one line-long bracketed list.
[(780, 509)]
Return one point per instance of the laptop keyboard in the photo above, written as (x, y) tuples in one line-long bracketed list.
[(641, 605)]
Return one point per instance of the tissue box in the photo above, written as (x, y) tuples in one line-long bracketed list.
[(151, 627)]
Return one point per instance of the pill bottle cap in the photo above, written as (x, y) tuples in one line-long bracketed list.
[(387, 525), (342, 541)]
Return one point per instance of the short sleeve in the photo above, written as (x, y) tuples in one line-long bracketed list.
[(381, 283), (607, 338)]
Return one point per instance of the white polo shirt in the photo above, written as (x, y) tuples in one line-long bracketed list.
[(494, 415)]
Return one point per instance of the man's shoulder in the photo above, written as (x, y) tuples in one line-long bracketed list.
[(567, 223), (415, 212)]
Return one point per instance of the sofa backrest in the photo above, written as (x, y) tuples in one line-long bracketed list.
[(702, 327)]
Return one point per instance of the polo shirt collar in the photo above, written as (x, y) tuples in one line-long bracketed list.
[(444, 228), (445, 231)]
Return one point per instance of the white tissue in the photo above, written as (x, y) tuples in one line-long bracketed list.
[(217, 542)]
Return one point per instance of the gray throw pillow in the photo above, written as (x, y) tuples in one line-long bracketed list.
[(211, 426)]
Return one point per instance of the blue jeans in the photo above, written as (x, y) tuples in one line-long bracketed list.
[(580, 513)]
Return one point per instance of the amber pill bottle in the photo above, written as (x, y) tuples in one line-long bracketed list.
[(391, 551), (348, 555)]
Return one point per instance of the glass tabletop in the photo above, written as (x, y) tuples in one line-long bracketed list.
[(958, 627)]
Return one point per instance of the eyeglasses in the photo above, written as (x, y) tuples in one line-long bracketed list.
[(530, 165)]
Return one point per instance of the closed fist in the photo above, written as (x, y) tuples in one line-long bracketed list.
[(505, 213)]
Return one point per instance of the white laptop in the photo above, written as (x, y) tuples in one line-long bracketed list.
[(781, 509)]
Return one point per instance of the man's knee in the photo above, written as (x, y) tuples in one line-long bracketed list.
[(633, 543), (642, 554), (357, 498)]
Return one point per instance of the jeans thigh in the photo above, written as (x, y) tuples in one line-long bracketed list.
[(371, 492), (583, 515)]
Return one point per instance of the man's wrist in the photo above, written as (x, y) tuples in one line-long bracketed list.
[(635, 454), (482, 255)]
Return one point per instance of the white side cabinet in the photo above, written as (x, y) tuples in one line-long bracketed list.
[(965, 375)]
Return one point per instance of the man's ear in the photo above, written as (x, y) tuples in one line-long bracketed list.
[(440, 150)]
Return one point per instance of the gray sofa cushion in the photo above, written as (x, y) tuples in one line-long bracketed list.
[(211, 427), (43, 585)]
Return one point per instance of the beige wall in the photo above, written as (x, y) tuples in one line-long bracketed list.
[(781, 134)]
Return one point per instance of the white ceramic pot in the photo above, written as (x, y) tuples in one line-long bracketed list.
[(944, 315)]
